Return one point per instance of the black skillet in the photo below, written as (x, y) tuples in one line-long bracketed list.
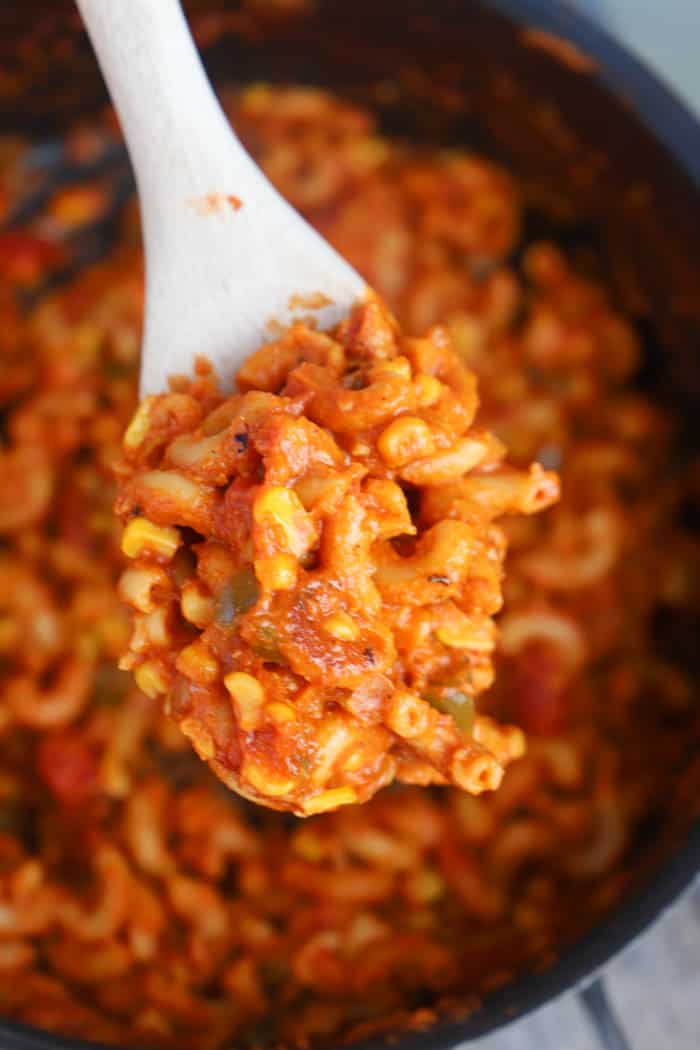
[(610, 106)]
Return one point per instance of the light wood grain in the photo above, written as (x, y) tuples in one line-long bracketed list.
[(225, 254)]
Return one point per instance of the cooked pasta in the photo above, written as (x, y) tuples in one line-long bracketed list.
[(143, 905), (311, 634)]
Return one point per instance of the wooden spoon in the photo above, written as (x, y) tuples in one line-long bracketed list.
[(225, 254)]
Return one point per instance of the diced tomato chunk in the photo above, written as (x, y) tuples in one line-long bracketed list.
[(25, 258), (68, 766), (537, 700)]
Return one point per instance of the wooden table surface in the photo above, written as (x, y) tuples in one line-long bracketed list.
[(653, 990)]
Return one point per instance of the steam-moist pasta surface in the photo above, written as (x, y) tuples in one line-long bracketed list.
[(310, 633), (142, 904)]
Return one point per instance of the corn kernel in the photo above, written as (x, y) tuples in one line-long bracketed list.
[(139, 425), (428, 390), (453, 635), (247, 696), (76, 206), (280, 713), (331, 799), (396, 366), (265, 780), (464, 634), (425, 886), (342, 627), (141, 536), (197, 604), (404, 440), (196, 662), (278, 573), (286, 510), (201, 738), (150, 679), (308, 845)]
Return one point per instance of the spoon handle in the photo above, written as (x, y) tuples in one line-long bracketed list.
[(225, 254), (179, 140)]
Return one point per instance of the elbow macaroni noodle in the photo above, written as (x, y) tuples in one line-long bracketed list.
[(141, 905)]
